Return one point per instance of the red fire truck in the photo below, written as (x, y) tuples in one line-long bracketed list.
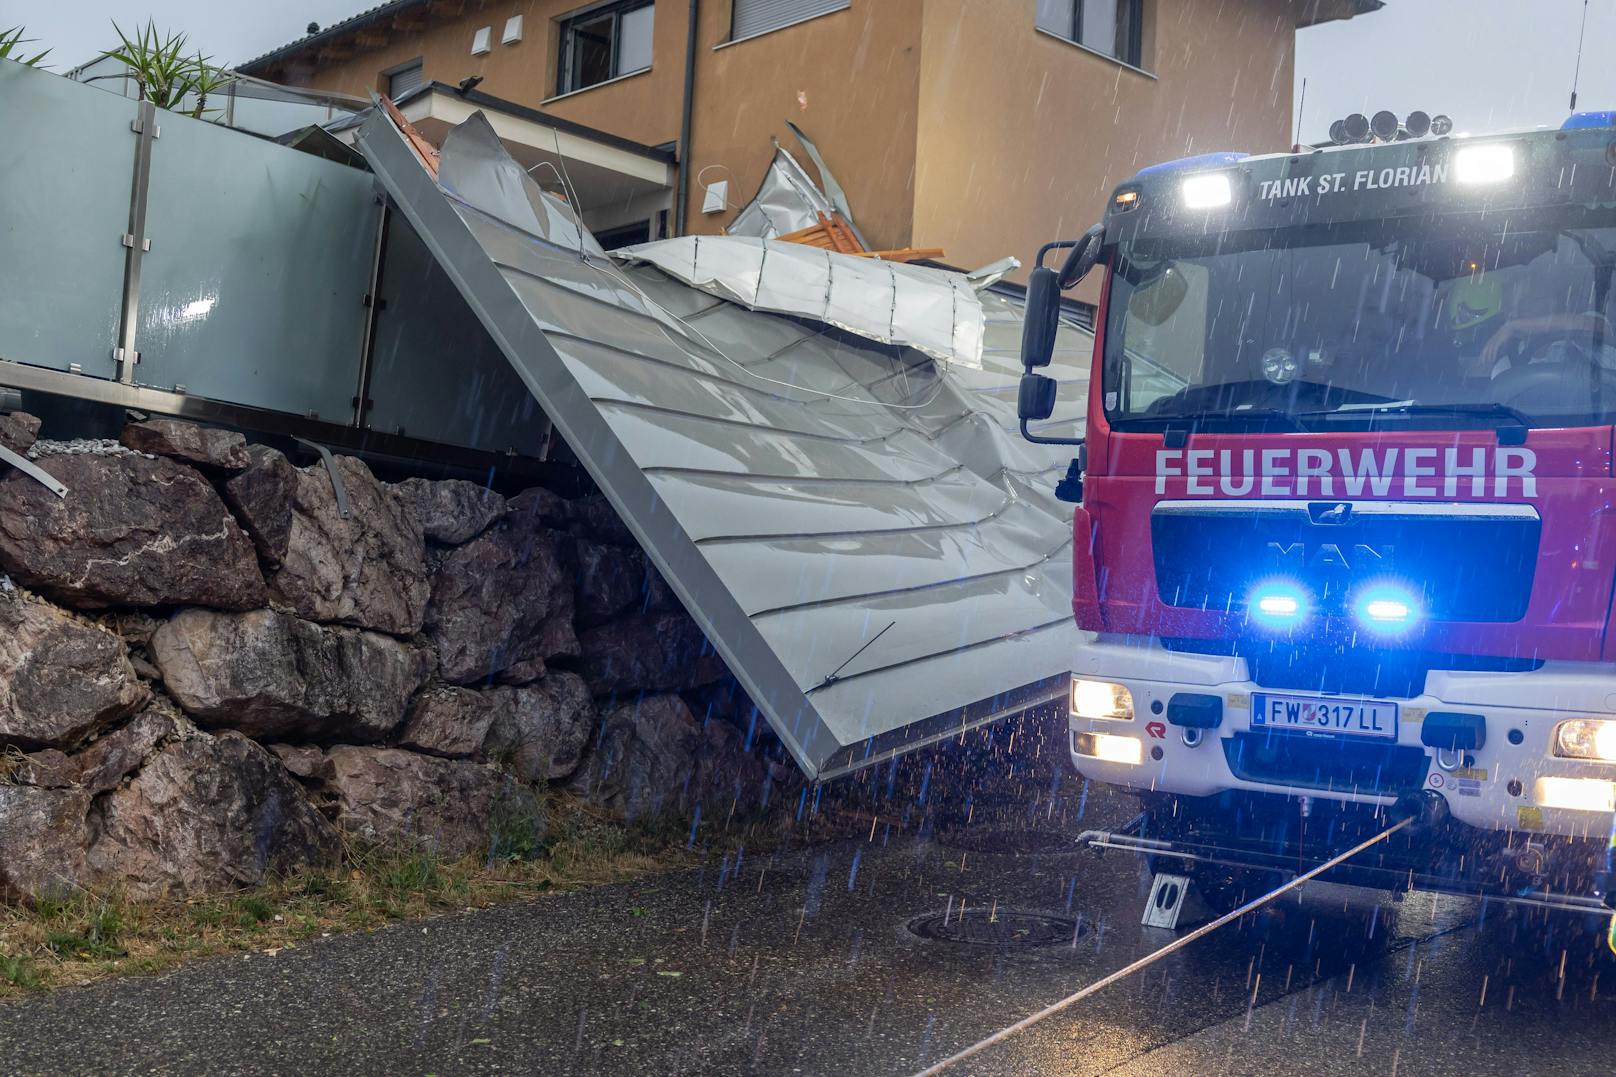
[(1346, 510)]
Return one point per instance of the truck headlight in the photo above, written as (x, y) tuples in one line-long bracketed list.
[(1101, 699), (1108, 748), (1586, 738)]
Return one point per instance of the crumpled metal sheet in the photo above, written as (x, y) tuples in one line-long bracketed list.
[(786, 201), (932, 310), (877, 558), (481, 174)]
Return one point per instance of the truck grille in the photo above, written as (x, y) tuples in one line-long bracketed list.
[(1469, 562), (1339, 765)]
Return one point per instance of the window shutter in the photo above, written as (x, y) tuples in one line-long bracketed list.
[(759, 16), (404, 80)]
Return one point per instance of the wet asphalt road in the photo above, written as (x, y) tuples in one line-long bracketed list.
[(804, 962)]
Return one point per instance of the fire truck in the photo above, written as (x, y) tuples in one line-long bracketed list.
[(1345, 511)]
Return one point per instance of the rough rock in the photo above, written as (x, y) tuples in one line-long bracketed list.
[(60, 678), (660, 652), (540, 729), (653, 757), (42, 840), (18, 431), (502, 600), (262, 498), (204, 446), (399, 799), (46, 768), (305, 763), (206, 813), (113, 757), (132, 531), (368, 570), (446, 721), (538, 507), (269, 674), (594, 517), (612, 580), (450, 511)]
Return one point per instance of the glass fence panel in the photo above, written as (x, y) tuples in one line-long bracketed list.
[(253, 291), (67, 158), (436, 373)]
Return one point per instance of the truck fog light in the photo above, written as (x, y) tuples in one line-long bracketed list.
[(1577, 794), (1386, 609), (1109, 748), (1586, 738), (1101, 699)]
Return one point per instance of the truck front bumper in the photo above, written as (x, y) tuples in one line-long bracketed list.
[(1511, 782)]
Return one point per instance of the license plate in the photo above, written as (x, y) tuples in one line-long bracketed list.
[(1322, 714)]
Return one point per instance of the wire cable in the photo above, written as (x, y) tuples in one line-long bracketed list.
[(1149, 959)]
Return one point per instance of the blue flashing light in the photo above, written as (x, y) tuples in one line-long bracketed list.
[(1386, 608), (1199, 161), (1278, 604), (1578, 121)]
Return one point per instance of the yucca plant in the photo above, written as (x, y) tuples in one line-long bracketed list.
[(206, 79), (11, 43), (158, 64)]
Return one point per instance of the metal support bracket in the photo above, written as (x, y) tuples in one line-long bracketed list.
[(337, 486), (1166, 902), (33, 471)]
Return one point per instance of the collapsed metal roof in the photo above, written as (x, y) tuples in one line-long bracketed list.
[(877, 557)]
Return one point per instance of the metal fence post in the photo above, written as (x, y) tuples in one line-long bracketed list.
[(136, 243)]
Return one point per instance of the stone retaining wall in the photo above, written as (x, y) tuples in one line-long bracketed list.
[(209, 673)]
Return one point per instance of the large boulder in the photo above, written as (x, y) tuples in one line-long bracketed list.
[(451, 511), (206, 813), (613, 581), (42, 841), (18, 430), (653, 757), (401, 800), (540, 730), (660, 652), (503, 603), (132, 531), (61, 678), (262, 498), (206, 447), (368, 570), (644, 759), (269, 675), (447, 721)]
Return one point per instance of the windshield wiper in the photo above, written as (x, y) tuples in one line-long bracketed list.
[(1408, 407)]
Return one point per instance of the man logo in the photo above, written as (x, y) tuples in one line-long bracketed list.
[(1333, 513), (1330, 556)]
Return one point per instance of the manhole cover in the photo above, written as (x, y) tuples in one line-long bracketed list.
[(990, 926), (1008, 842)]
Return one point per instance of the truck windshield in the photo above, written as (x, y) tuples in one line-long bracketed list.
[(1445, 323)]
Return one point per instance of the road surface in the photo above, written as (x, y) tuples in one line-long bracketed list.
[(808, 961)]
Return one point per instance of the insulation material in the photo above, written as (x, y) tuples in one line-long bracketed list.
[(931, 310)]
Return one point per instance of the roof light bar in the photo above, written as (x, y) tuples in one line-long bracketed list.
[(1208, 190), (1487, 163)]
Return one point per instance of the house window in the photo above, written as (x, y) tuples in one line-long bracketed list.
[(1114, 27), (605, 43), (404, 78), (753, 17)]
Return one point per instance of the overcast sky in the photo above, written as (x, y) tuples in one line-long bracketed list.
[(1490, 64)]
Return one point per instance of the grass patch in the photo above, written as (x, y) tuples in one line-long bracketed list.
[(88, 938)]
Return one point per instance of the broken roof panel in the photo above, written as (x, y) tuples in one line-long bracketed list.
[(878, 559), (934, 311)]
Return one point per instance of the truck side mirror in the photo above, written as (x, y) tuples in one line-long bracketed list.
[(1085, 252), (1036, 398), (1043, 316)]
